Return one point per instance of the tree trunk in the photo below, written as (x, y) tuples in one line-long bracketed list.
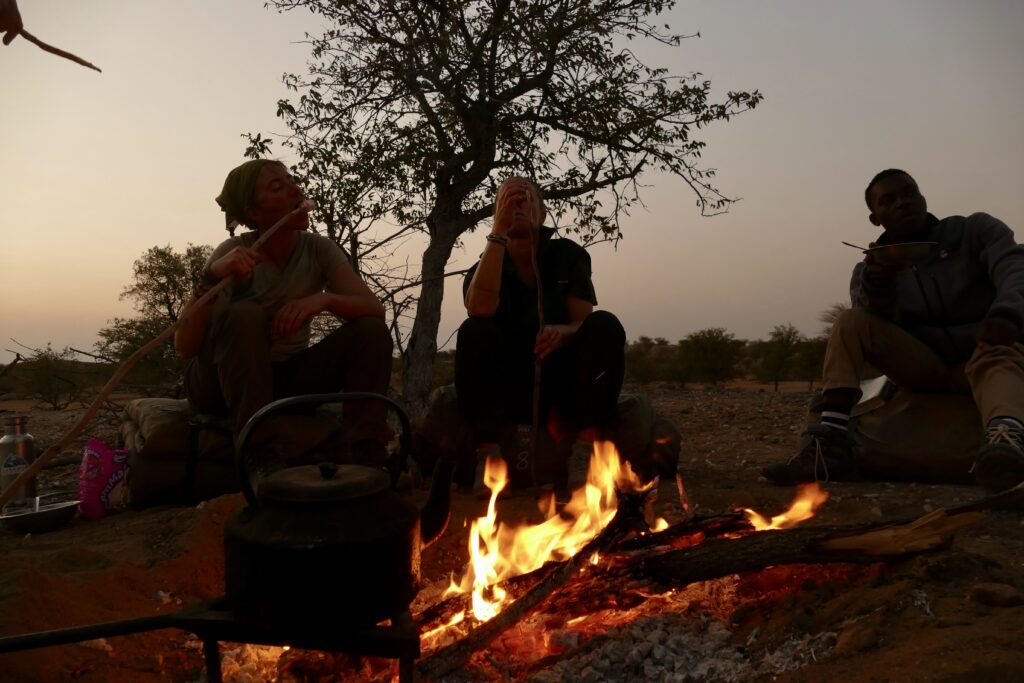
[(418, 366)]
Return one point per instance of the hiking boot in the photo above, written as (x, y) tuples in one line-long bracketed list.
[(999, 464), (827, 456)]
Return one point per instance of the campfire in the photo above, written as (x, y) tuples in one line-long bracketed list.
[(499, 552), (601, 580)]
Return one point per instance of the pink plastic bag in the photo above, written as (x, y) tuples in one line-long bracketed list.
[(100, 478)]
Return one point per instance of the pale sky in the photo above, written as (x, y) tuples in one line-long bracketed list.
[(97, 168)]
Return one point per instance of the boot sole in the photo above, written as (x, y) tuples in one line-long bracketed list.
[(999, 467)]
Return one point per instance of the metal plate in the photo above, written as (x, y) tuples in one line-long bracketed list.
[(40, 518), (902, 255)]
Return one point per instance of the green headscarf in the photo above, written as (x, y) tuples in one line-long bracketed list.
[(239, 188)]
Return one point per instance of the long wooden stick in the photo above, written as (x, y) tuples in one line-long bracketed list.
[(538, 362), (57, 51), (119, 374)]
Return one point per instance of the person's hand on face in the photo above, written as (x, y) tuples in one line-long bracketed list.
[(10, 20), (504, 208), (549, 339), (238, 263), (293, 315), (516, 209)]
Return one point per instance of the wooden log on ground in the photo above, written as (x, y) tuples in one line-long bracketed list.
[(816, 545)]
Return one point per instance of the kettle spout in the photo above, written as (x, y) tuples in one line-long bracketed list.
[(437, 510)]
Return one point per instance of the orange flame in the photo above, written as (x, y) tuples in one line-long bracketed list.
[(499, 552), (809, 497)]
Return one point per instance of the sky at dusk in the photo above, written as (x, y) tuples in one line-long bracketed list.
[(97, 168)]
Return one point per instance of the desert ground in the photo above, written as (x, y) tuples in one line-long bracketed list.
[(954, 614)]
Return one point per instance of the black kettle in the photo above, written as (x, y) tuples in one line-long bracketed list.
[(329, 544)]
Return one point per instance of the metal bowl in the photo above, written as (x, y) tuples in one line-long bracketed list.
[(903, 255), (39, 519)]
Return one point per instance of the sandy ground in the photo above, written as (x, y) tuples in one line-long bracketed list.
[(951, 615)]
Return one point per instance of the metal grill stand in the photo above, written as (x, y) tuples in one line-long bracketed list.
[(212, 623)]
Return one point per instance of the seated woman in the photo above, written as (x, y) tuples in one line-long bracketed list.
[(250, 345), (581, 350)]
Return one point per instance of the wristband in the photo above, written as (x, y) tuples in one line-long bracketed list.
[(498, 239)]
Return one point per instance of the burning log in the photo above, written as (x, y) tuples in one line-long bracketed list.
[(700, 528), (858, 545), (628, 518)]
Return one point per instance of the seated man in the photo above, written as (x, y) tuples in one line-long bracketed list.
[(951, 323), (581, 350), (250, 345)]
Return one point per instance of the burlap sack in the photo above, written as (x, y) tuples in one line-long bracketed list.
[(179, 457), (919, 437)]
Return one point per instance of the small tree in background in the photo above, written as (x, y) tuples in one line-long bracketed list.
[(710, 355), (779, 354), (53, 377), (163, 281), (810, 356)]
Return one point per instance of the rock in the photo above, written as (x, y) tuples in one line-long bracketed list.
[(995, 595), (855, 638)]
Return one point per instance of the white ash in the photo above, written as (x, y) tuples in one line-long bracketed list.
[(677, 647)]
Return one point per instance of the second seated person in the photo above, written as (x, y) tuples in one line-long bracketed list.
[(581, 350), (250, 345)]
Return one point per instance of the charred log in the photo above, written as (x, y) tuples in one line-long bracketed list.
[(860, 545)]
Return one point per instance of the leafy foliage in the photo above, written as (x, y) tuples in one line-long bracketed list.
[(710, 355), (779, 353), (414, 111), (650, 360), (162, 283), (53, 377)]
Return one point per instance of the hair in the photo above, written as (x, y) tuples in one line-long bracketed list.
[(882, 175)]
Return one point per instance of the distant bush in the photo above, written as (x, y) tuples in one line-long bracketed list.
[(710, 355), (54, 378)]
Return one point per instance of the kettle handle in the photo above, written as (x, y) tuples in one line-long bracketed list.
[(395, 466)]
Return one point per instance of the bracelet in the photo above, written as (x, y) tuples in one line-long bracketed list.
[(498, 239)]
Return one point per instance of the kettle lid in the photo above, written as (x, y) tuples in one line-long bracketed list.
[(323, 483)]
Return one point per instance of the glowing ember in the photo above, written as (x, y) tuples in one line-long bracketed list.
[(499, 552), (809, 497)]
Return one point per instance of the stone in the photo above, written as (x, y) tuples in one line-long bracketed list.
[(995, 595)]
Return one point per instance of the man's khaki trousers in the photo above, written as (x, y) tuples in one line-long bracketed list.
[(994, 375)]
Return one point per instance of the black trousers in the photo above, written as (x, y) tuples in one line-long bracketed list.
[(580, 382), (233, 374)]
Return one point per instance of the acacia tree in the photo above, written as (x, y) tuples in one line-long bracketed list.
[(162, 281), (779, 353), (710, 355), (413, 111)]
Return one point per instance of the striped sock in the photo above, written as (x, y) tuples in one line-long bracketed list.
[(835, 416)]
